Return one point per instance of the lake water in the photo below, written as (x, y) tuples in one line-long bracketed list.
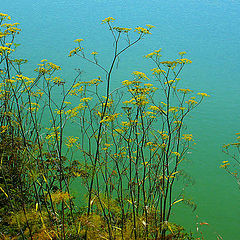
[(207, 30)]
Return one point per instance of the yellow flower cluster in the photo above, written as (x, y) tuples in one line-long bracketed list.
[(152, 145), (150, 26), (47, 67), (182, 108), (149, 143), (74, 111), (34, 106), (10, 29), (41, 69), (53, 66), (188, 137), (154, 108), (109, 103), (184, 90), (10, 81), (163, 134), (75, 51), (183, 61), (169, 82), (122, 29), (126, 124), (182, 53), (176, 153), (95, 81), (118, 130), (142, 30), (141, 100), (150, 114), (110, 118), (238, 136), (55, 133), (60, 112), (140, 90), (5, 50), (169, 63), (128, 83), (191, 101), (86, 99), (76, 85), (178, 122), (37, 93), (4, 129), (131, 101), (71, 141), (131, 122), (148, 85), (108, 19), (57, 80), (67, 103), (137, 90), (4, 16), (235, 144), (76, 91), (155, 53), (107, 145), (173, 109), (225, 164), (173, 64), (8, 25), (140, 75), (157, 71), (78, 40), (203, 94)]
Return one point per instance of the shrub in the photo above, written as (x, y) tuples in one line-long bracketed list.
[(127, 151)]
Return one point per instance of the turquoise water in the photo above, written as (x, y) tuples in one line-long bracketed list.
[(207, 30)]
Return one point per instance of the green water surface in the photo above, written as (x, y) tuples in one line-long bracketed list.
[(207, 30)]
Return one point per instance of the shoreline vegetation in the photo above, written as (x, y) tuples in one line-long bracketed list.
[(128, 151)]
